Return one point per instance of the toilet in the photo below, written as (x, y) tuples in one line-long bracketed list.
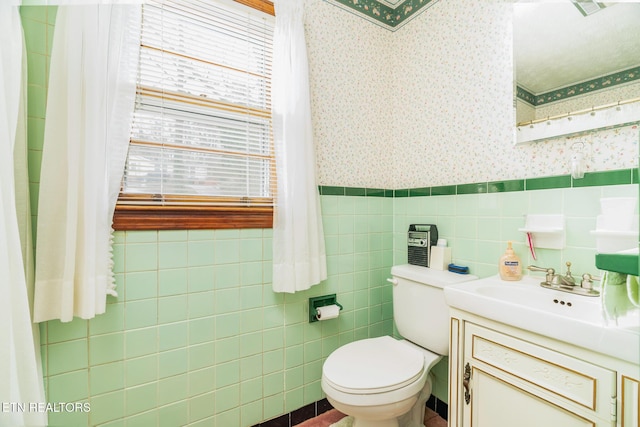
[(383, 381)]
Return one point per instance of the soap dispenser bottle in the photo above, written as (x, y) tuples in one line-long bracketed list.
[(510, 266)]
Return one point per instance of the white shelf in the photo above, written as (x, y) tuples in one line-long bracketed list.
[(541, 230), (547, 231)]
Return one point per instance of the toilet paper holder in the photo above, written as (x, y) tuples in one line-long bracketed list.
[(317, 302)]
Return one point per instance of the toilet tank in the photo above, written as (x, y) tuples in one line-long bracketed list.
[(419, 308)]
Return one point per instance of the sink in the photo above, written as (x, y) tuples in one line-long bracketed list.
[(535, 297), (571, 318)]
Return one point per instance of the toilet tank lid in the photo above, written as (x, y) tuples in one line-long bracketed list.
[(429, 276)]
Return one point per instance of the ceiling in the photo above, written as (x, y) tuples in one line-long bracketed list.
[(556, 46)]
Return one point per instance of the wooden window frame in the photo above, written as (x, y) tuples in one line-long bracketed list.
[(184, 217)]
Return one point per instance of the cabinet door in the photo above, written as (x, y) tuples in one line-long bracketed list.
[(630, 402), (497, 403), (514, 382)]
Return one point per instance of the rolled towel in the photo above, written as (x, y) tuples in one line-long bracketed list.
[(633, 290)]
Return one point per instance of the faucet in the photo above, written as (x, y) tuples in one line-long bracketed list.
[(556, 279), (567, 282), (567, 279), (587, 281), (551, 276)]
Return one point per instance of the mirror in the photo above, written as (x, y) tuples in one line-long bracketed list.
[(577, 66)]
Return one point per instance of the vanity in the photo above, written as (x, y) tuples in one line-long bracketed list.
[(522, 355)]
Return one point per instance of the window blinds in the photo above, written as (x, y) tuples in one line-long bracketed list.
[(201, 130)]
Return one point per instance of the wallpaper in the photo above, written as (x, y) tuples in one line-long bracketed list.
[(350, 84), (453, 100), (429, 104)]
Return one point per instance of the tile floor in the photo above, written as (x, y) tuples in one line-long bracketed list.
[(431, 419)]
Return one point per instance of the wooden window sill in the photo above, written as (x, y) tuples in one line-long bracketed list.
[(136, 217)]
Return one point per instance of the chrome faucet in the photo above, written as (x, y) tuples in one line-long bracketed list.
[(567, 279), (566, 282), (587, 281), (551, 276)]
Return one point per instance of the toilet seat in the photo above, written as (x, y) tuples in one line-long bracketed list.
[(349, 368)]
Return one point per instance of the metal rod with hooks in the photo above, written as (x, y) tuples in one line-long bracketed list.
[(591, 110)]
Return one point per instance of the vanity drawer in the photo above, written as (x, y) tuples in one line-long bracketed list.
[(544, 372)]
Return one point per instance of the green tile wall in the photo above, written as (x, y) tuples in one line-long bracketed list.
[(37, 23), (478, 225), (201, 336)]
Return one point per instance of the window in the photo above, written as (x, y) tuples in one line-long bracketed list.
[(201, 150)]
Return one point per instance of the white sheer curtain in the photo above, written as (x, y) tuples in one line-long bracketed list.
[(20, 367), (90, 102), (299, 259)]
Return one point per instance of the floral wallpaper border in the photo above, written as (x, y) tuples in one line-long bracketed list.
[(379, 13), (606, 82)]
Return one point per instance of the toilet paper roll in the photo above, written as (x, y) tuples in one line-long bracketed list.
[(327, 312)]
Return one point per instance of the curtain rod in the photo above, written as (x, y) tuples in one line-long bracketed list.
[(579, 112)]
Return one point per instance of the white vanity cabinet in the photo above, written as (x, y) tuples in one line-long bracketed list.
[(501, 376)]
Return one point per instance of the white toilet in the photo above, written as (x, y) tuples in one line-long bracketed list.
[(384, 382)]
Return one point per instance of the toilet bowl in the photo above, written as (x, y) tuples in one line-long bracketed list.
[(380, 382), (384, 382)]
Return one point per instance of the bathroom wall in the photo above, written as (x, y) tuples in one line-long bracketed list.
[(351, 70), (443, 111), (197, 337), (477, 225), (38, 24)]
